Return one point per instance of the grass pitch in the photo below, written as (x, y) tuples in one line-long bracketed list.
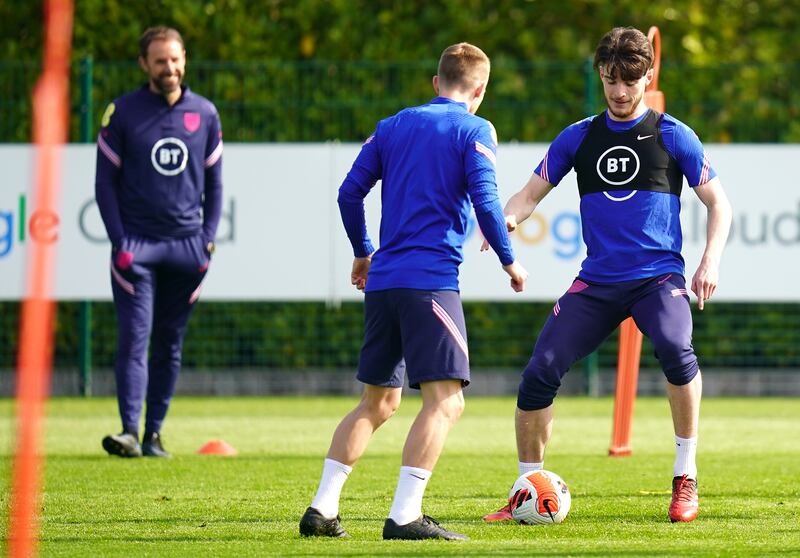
[(249, 505)]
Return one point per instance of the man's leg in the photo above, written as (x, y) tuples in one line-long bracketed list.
[(684, 403), (177, 291), (434, 337), (381, 370), (442, 405), (533, 430), (351, 437), (579, 322), (132, 289), (349, 441), (664, 315)]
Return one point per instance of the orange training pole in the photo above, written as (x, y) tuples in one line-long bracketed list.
[(630, 338), (50, 110)]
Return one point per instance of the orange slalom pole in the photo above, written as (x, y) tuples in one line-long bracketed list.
[(630, 338), (50, 110), (630, 350)]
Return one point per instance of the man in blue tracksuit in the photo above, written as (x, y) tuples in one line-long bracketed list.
[(631, 162), (159, 190), (433, 161)]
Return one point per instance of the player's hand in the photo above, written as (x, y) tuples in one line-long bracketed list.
[(518, 274), (123, 260), (704, 282), (358, 275), (511, 225)]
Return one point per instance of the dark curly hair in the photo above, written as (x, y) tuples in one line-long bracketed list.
[(624, 53)]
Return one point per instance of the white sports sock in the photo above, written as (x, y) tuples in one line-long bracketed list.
[(685, 453), (528, 467), (407, 504), (334, 474)]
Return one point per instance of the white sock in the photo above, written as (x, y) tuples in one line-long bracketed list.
[(326, 501), (685, 453), (407, 504), (525, 468)]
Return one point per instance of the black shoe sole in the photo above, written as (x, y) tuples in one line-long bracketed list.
[(113, 447)]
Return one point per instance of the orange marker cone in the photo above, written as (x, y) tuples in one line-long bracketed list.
[(218, 447)]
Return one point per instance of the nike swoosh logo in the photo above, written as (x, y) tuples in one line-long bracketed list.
[(640, 138), (417, 476)]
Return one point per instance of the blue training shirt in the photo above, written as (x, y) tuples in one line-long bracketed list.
[(432, 160), (630, 234), (159, 167)]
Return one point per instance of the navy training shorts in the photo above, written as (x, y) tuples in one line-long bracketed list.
[(421, 333), (589, 312)]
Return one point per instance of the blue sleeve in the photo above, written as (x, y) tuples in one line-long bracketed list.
[(479, 166), (560, 156), (212, 192), (685, 147), (363, 175), (107, 174)]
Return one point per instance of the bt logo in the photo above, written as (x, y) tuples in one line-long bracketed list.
[(169, 156), (618, 165)]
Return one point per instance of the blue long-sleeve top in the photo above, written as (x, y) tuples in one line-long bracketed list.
[(432, 160), (159, 167)]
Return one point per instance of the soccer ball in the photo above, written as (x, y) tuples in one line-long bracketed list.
[(539, 497)]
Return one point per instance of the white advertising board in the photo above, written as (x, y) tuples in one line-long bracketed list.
[(280, 237)]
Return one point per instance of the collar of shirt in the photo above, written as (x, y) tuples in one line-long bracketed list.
[(622, 126), (446, 101)]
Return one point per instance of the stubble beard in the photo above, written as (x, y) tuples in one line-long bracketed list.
[(629, 111), (164, 83)]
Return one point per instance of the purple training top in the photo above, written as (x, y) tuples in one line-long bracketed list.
[(159, 167)]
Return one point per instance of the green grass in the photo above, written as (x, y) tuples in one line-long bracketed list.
[(249, 505)]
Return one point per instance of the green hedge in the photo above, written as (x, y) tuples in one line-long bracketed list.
[(316, 70), (281, 335)]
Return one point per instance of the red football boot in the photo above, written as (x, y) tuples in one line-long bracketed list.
[(503, 514), (684, 505)]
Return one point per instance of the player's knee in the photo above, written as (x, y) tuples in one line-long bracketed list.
[(456, 406), (678, 362), (381, 409), (541, 380), (529, 399), (682, 374), (450, 408)]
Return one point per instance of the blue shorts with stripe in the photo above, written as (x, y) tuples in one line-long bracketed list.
[(421, 333)]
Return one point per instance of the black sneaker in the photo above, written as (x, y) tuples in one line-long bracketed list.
[(423, 528), (314, 524), (123, 444), (151, 446)]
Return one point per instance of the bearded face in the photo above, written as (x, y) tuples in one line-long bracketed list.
[(164, 65)]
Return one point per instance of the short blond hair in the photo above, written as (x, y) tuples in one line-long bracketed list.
[(463, 66)]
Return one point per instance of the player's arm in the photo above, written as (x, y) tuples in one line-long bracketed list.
[(108, 173), (521, 205), (705, 279), (212, 189), (479, 165), (557, 162), (363, 175), (683, 143)]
